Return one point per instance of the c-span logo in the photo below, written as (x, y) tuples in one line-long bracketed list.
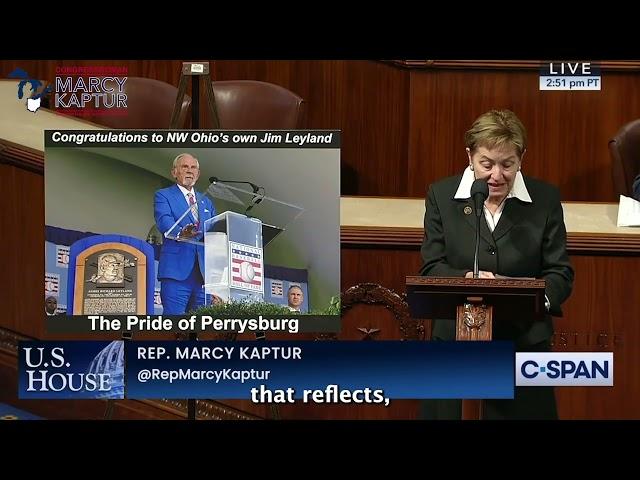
[(569, 369)]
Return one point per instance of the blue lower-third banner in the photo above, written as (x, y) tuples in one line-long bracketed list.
[(319, 372), (71, 369)]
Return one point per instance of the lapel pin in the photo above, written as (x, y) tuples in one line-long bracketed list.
[(467, 210)]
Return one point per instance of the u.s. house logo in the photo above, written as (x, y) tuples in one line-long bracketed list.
[(71, 369)]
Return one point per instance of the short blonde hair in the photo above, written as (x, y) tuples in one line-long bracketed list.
[(496, 128)]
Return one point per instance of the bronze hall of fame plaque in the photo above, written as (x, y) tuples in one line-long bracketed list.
[(110, 279)]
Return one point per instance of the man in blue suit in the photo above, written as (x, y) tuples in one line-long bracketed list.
[(181, 266)]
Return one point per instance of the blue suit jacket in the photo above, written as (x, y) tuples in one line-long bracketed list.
[(177, 258)]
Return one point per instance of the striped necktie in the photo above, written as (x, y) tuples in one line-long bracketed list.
[(194, 207)]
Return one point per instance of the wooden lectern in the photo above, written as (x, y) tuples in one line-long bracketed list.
[(475, 303)]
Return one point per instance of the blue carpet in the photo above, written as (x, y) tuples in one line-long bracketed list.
[(7, 412)]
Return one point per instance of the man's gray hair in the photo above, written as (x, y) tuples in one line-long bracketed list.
[(182, 155)]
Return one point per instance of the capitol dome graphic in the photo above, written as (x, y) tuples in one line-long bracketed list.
[(110, 360)]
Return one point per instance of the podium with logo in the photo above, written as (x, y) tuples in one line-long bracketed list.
[(476, 305), (234, 241)]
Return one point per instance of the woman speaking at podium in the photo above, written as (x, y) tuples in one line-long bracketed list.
[(522, 234)]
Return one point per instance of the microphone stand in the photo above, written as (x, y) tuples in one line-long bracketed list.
[(257, 198), (476, 271), (254, 187), (479, 192), (255, 201)]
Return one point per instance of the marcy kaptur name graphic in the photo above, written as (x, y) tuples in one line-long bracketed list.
[(97, 92), (219, 353)]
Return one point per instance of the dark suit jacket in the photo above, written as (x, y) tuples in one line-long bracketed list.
[(529, 241)]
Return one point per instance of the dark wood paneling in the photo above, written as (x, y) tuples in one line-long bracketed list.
[(22, 227), (403, 123), (607, 65), (386, 267), (367, 100), (20, 156), (605, 243), (165, 70), (600, 315), (568, 131)]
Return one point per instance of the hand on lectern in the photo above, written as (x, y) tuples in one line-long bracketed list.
[(189, 231), (216, 300), (481, 273)]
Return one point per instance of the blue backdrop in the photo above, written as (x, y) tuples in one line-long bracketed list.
[(56, 277)]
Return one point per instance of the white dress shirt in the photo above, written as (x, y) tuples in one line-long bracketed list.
[(519, 191)]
